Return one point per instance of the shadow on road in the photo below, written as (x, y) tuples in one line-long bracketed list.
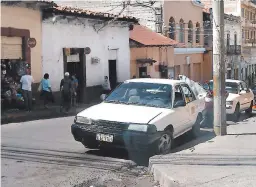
[(114, 153), (187, 142), (183, 142), (243, 118)]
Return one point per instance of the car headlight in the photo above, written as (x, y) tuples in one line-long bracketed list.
[(83, 120), (138, 127), (229, 102)]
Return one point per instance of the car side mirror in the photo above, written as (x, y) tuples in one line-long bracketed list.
[(242, 92), (179, 103), (103, 97)]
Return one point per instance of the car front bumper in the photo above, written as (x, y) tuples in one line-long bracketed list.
[(130, 140)]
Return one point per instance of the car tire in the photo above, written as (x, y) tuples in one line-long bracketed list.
[(249, 110), (165, 143), (195, 132), (236, 114)]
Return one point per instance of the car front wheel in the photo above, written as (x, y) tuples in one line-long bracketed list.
[(236, 114), (195, 132), (165, 142), (249, 110)]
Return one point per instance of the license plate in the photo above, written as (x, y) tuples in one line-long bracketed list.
[(104, 137)]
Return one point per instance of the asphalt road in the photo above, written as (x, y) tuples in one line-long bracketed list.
[(44, 153)]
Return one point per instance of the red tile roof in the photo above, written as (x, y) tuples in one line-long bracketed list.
[(84, 12), (148, 37)]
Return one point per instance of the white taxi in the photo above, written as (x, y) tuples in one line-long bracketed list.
[(240, 98), (141, 115)]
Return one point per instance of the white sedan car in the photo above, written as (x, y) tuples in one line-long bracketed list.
[(141, 114), (240, 98)]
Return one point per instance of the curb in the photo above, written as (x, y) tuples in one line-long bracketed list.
[(163, 179), (38, 115), (25, 118)]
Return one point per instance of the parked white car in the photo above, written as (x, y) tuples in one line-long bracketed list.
[(240, 98), (141, 114)]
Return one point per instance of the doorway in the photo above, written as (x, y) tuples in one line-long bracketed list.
[(74, 63), (142, 72), (112, 73)]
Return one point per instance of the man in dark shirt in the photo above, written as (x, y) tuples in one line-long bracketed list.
[(66, 89)]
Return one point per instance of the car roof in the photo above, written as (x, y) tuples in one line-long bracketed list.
[(230, 80), (158, 81)]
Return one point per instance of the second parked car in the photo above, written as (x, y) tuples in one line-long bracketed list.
[(240, 98)]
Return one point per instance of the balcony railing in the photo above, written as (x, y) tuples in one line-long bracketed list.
[(234, 50)]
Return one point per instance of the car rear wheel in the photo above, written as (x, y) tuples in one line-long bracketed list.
[(249, 110), (165, 142), (236, 114)]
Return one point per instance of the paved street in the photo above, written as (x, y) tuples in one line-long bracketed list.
[(44, 153), (211, 161)]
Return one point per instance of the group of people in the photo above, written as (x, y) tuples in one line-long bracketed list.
[(68, 89)]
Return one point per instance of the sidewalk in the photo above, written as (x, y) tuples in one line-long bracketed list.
[(16, 116), (228, 161)]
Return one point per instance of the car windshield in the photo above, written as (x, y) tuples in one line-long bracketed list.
[(142, 94), (231, 87)]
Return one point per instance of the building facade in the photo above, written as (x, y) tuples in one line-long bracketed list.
[(246, 11), (248, 16), (233, 41), (147, 12), (163, 17), (185, 28), (85, 44), (21, 34), (190, 62), (159, 16), (151, 53)]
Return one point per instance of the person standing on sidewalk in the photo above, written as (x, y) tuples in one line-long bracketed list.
[(106, 86), (46, 90), (26, 86), (74, 84), (66, 89)]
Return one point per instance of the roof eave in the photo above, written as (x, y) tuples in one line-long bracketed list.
[(42, 4), (84, 15)]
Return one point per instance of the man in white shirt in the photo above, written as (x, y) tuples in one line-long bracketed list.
[(26, 83)]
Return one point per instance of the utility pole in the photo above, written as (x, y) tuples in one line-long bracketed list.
[(219, 70)]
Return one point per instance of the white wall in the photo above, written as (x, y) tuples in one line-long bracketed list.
[(146, 15), (61, 35), (233, 27)]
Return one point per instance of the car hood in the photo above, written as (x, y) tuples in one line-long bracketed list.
[(232, 97), (122, 113)]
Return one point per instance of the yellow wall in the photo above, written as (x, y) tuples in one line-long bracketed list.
[(187, 11), (207, 66), (24, 18), (163, 54), (195, 71)]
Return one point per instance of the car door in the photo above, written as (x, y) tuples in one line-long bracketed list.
[(191, 106), (181, 114), (247, 97)]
